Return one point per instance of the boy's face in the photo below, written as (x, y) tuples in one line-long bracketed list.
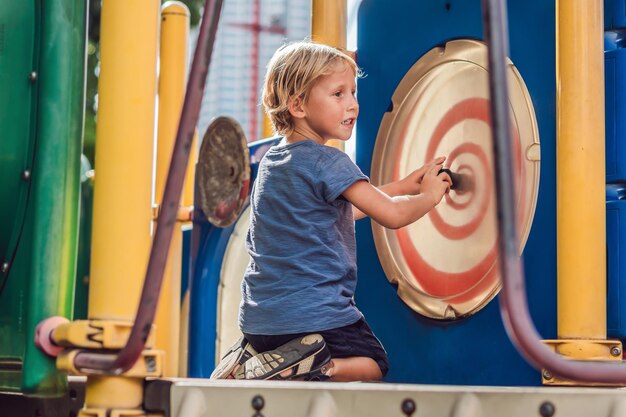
[(332, 108)]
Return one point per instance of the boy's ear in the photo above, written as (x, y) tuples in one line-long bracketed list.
[(295, 107)]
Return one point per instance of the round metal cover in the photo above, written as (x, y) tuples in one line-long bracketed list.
[(223, 171), (445, 264)]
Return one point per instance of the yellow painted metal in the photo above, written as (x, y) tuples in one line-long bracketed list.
[(168, 312), (328, 22), (596, 349), (328, 26), (172, 77), (127, 391), (189, 177), (96, 334), (125, 135), (268, 129), (581, 236), (184, 336), (122, 194), (600, 350), (184, 215)]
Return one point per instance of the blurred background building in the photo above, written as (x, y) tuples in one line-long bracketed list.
[(249, 33)]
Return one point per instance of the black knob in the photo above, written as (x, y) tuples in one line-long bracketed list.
[(460, 182), (408, 407), (546, 409), (258, 403)]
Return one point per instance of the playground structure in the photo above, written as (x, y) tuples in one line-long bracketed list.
[(440, 322)]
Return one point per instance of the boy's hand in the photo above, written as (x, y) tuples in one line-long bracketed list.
[(435, 185), (412, 183)]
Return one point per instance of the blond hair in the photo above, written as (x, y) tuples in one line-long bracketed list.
[(292, 72)]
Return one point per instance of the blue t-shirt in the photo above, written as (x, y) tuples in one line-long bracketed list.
[(302, 271)]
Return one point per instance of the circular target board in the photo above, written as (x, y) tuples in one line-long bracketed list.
[(445, 264), (223, 172)]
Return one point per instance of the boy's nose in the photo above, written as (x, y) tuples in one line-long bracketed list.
[(354, 104)]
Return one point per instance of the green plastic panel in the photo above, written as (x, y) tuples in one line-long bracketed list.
[(81, 293), (40, 282), (19, 50)]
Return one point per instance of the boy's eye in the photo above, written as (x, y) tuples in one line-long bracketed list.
[(337, 94)]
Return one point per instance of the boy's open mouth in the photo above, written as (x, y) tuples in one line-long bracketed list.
[(348, 122)]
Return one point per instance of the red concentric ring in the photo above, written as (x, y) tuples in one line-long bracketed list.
[(457, 286), (461, 232)]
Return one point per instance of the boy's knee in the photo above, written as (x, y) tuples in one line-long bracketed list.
[(355, 369)]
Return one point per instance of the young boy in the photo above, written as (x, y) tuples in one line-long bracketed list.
[(298, 308)]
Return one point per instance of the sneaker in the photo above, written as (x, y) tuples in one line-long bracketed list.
[(238, 353), (307, 357)]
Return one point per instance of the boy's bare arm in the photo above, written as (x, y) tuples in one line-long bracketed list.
[(394, 212), (409, 185), (397, 188)]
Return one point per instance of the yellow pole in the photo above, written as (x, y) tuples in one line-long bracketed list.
[(183, 347), (125, 135), (581, 236), (328, 26), (268, 129), (122, 195), (172, 76), (328, 22), (191, 172)]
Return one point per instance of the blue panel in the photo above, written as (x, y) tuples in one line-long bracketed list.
[(208, 244), (186, 264), (610, 116), (203, 302), (393, 34), (616, 257), (615, 104), (614, 14)]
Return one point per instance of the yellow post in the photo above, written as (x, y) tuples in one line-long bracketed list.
[(328, 22), (122, 196), (191, 172), (580, 188), (172, 76), (184, 305), (328, 26), (188, 190), (125, 133), (581, 235), (268, 129)]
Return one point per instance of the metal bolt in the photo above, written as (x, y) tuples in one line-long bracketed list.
[(547, 374), (616, 351), (547, 409), (5, 267), (258, 403), (32, 77), (150, 363), (26, 175), (408, 407)]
